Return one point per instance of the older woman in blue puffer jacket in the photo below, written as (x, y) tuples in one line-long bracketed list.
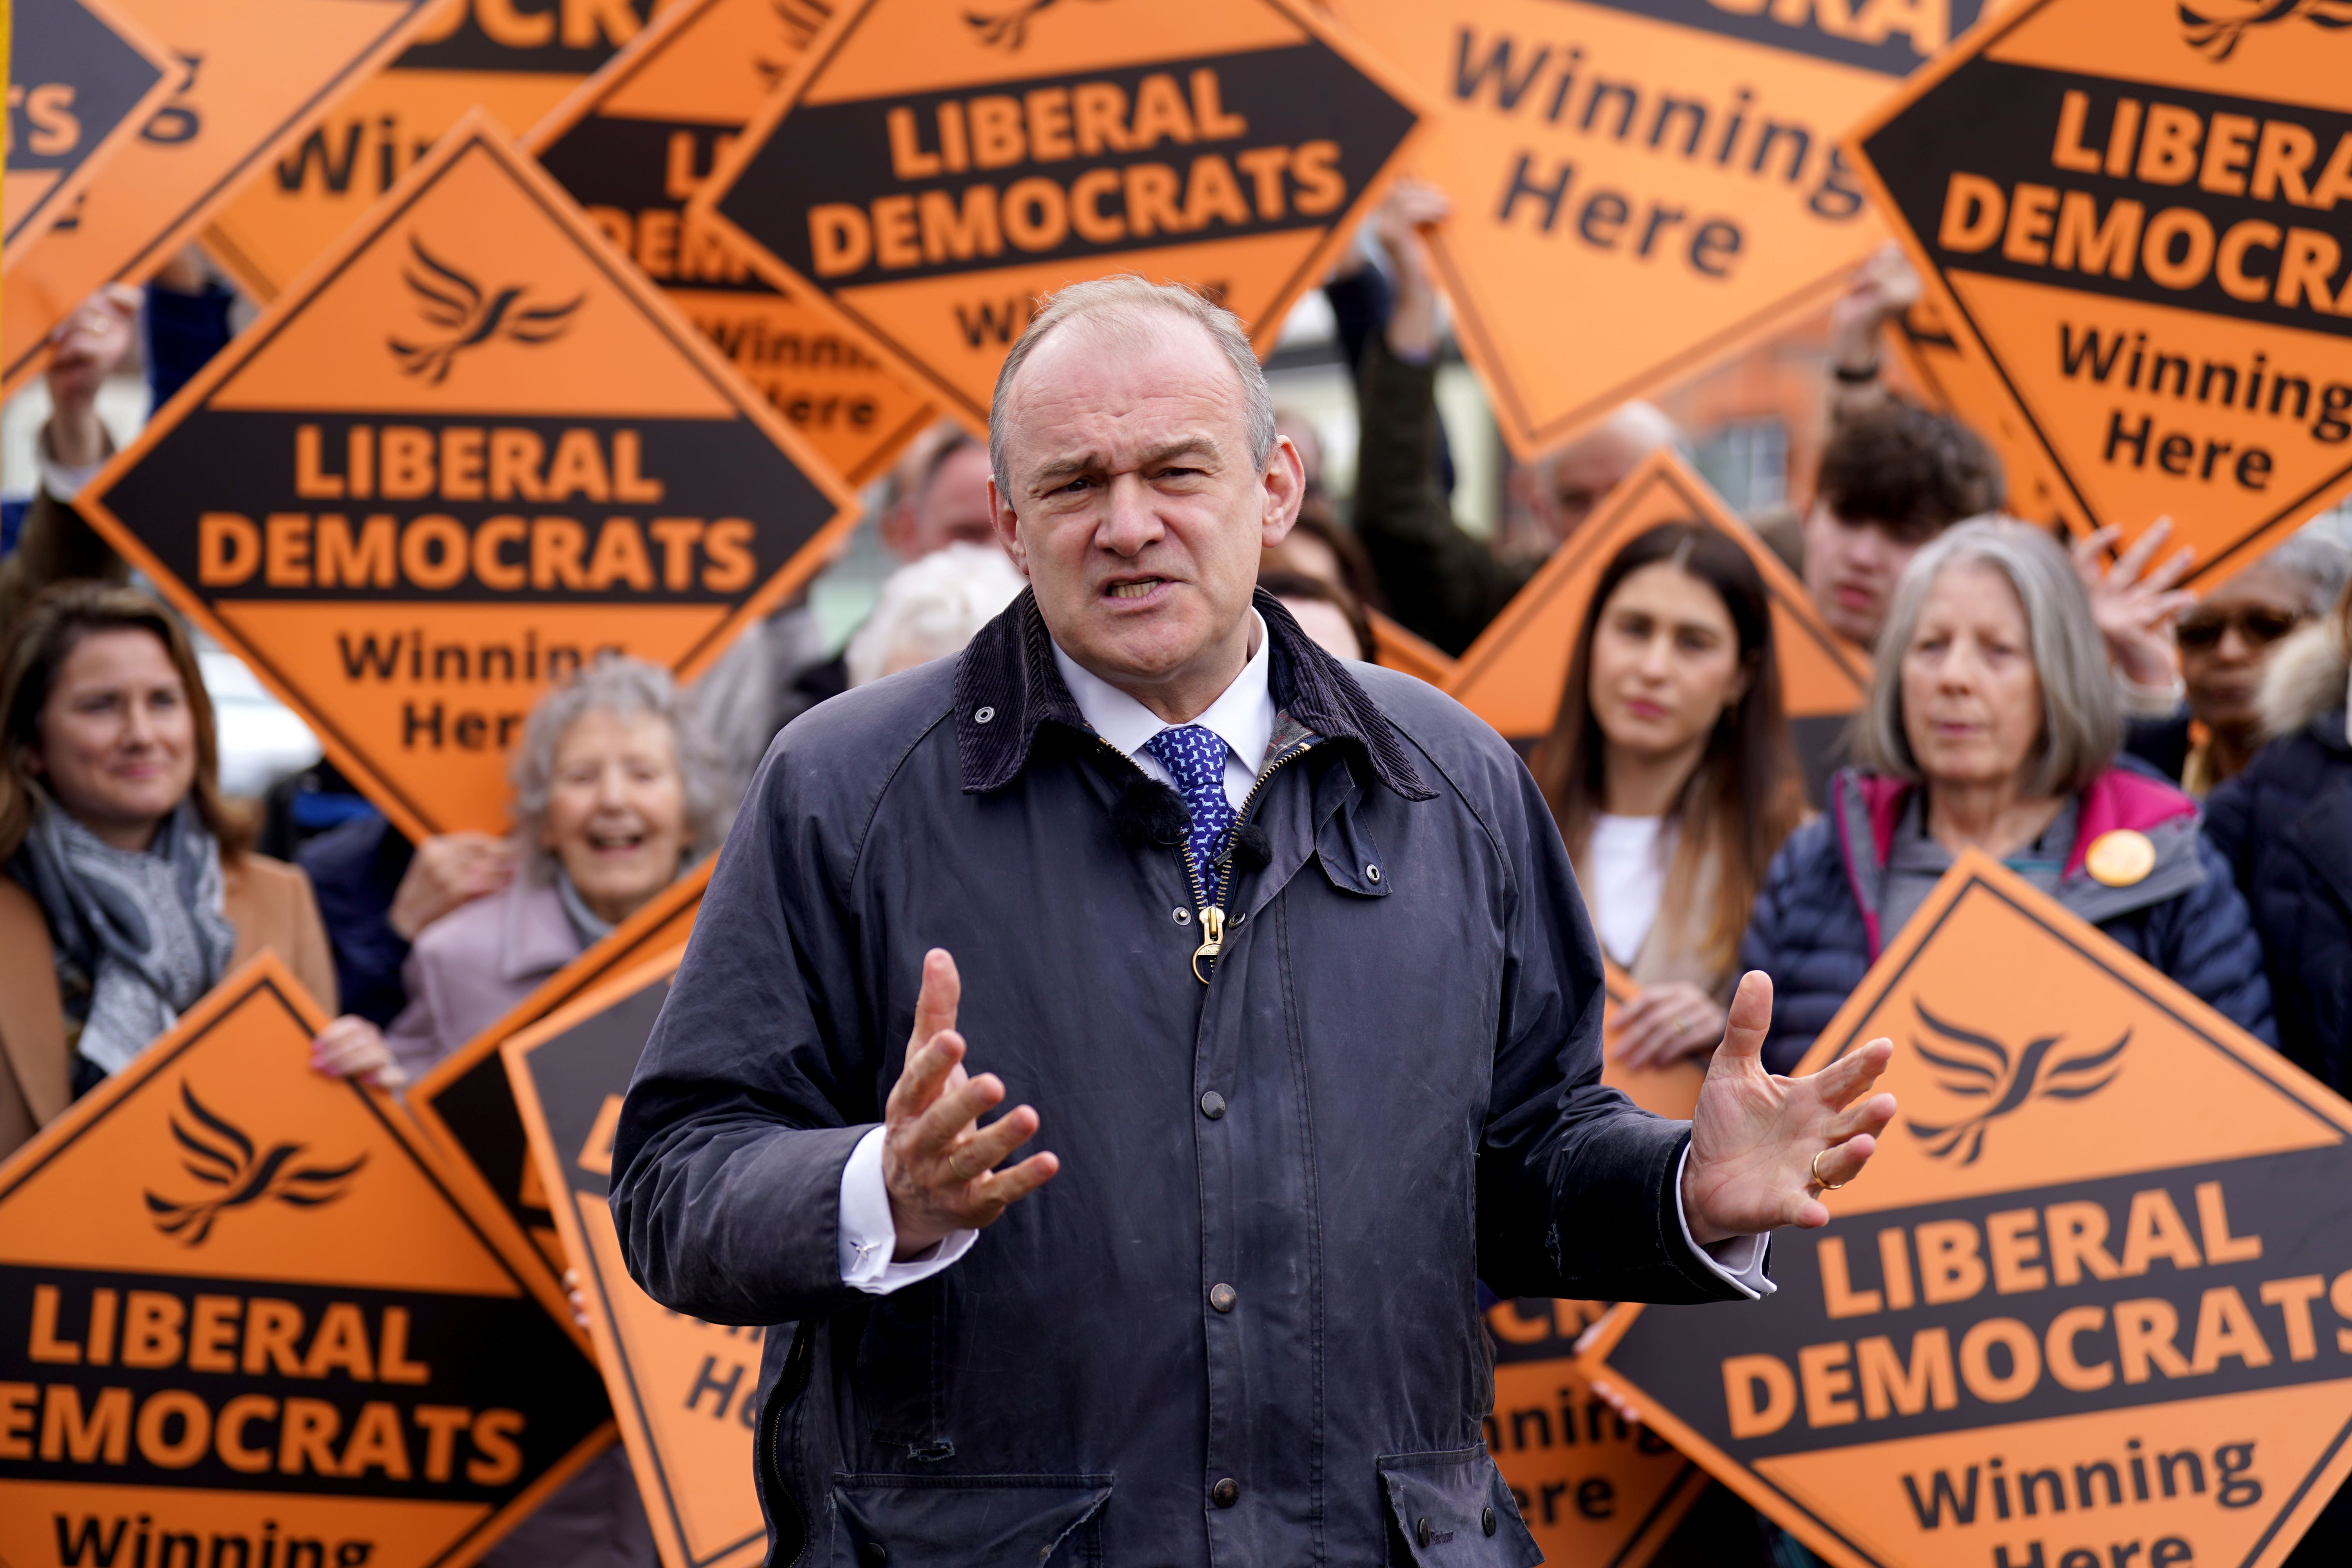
[(1992, 725)]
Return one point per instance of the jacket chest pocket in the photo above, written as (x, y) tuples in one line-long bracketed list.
[(968, 1521)]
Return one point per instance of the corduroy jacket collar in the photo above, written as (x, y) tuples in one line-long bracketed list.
[(1007, 686)]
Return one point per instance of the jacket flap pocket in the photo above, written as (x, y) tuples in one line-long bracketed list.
[(1453, 1508), (965, 1521), (1350, 859)]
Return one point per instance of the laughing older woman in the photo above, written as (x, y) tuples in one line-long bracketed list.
[(1992, 725), (616, 793)]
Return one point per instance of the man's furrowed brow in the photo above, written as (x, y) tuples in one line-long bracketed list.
[(1059, 471)]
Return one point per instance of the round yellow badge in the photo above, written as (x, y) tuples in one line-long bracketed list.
[(2120, 858)]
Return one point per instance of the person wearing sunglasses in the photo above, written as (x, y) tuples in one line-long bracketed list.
[(2285, 827), (2226, 641)]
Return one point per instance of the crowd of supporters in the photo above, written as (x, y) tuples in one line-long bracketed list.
[(2026, 698)]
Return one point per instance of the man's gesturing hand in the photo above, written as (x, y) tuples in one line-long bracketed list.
[(936, 1160), (1755, 1136)]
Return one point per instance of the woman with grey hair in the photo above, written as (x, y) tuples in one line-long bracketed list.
[(616, 793), (1992, 725)]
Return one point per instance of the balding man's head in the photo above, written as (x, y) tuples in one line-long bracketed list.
[(1572, 482), (1138, 476)]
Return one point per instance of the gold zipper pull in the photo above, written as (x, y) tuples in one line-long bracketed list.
[(1213, 932)]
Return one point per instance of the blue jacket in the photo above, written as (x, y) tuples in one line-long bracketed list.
[(1815, 926), (1386, 1091)]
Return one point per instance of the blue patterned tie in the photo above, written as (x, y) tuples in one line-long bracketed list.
[(1194, 757)]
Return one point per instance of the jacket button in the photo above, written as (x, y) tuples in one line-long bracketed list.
[(875, 1554), (982, 715), (1422, 1531), (1225, 1493), (1213, 1105), (1486, 1519), (1223, 1297)]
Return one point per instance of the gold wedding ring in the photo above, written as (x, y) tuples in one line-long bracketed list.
[(955, 1165), (1825, 1185)]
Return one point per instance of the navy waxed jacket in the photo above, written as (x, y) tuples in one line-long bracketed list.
[(1386, 1093)]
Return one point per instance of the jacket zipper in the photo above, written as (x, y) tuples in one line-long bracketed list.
[(1213, 914)]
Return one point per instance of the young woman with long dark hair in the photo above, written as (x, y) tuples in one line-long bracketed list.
[(1672, 776)]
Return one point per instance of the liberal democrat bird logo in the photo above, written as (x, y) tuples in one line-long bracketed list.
[(450, 301), (220, 1155), (1010, 29), (2216, 25), (1977, 1067)]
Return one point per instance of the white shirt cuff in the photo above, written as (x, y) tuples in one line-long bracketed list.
[(868, 1236), (1740, 1258)]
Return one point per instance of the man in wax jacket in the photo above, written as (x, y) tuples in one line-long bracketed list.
[(1286, 963)]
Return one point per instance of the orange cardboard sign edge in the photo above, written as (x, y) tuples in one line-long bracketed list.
[(1530, 440), (266, 972), (475, 128), (1972, 869), (183, 228), (59, 199), (573, 106), (515, 1053), (2074, 509), (619, 947), (1666, 466), (1309, 18)]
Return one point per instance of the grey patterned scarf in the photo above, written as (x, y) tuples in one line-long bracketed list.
[(139, 937)]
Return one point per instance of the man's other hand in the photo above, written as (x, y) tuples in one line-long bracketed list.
[(937, 1161), (1756, 1137)]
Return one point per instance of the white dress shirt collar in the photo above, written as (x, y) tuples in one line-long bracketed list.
[(1241, 716)]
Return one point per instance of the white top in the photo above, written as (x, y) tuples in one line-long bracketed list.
[(1244, 718), (1625, 865)]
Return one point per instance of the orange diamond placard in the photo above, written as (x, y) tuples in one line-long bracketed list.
[(632, 147), (1513, 676), (682, 1388), (2133, 211), (466, 1105), (82, 79), (256, 74), (514, 61), (245, 1310), (1641, 187), (471, 452), (1956, 379), (937, 165), (1592, 1487), (2087, 1305)]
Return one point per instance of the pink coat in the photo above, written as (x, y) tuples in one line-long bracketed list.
[(468, 968)]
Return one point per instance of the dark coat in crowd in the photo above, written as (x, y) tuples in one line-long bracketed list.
[(2285, 827), (1440, 583), (1387, 1091), (1815, 928)]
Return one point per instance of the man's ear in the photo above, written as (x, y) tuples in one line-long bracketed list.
[(1006, 523), (1286, 489)]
